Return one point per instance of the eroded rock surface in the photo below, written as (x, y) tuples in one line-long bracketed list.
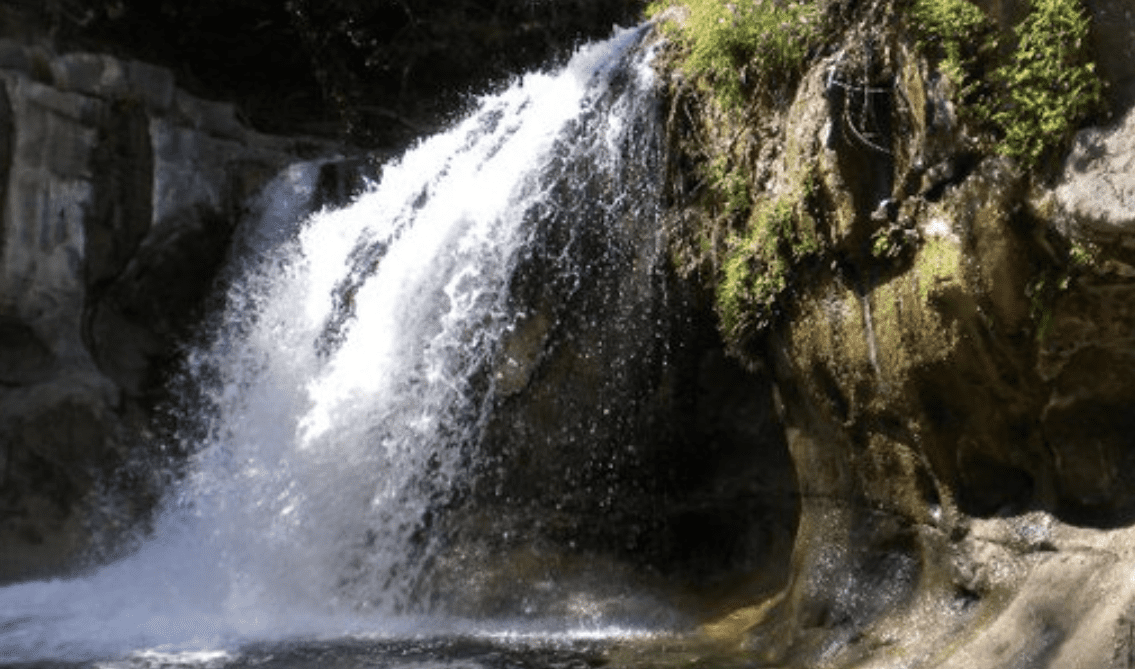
[(952, 366)]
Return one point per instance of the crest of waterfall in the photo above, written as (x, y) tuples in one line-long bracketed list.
[(341, 400)]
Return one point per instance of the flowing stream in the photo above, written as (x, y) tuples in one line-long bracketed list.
[(339, 402)]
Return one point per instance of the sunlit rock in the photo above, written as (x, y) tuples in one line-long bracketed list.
[(1098, 186)]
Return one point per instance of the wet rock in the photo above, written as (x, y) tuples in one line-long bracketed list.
[(24, 358), (58, 442), (1088, 417), (1113, 23), (619, 430)]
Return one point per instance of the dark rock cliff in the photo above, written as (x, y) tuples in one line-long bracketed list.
[(382, 72)]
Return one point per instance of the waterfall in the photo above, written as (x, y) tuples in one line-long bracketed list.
[(339, 403)]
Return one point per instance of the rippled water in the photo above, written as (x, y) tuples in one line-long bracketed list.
[(501, 651), (356, 653)]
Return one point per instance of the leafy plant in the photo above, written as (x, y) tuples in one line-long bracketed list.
[(1049, 84), (957, 32), (1081, 254), (740, 45), (883, 245)]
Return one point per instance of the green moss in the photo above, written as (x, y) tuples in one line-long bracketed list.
[(1050, 84), (1042, 296), (760, 264), (957, 33), (737, 47), (939, 263), (729, 184), (882, 246)]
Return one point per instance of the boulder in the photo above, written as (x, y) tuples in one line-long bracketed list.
[(1097, 186)]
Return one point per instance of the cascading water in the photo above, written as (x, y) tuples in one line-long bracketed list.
[(341, 401)]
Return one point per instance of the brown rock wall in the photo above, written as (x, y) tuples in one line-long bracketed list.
[(957, 405)]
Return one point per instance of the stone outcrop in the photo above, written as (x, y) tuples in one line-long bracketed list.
[(952, 367), (1098, 189), (119, 193)]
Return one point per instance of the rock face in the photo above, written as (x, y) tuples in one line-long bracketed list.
[(119, 193), (1098, 189), (952, 368)]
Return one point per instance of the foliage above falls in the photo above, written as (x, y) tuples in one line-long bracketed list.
[(740, 48), (1020, 93), (1048, 85), (1032, 88)]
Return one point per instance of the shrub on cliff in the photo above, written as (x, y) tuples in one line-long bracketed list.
[(760, 263), (1050, 84), (958, 33), (1037, 93), (737, 47)]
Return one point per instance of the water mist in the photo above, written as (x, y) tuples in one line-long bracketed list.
[(340, 401)]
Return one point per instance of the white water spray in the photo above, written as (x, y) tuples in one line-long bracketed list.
[(343, 393)]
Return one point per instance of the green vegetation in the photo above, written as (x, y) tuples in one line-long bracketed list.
[(891, 243), (1030, 97), (729, 184), (1020, 94), (1050, 84), (760, 262), (1036, 95), (939, 263), (1042, 292), (1052, 281), (958, 33), (1081, 254), (735, 47)]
